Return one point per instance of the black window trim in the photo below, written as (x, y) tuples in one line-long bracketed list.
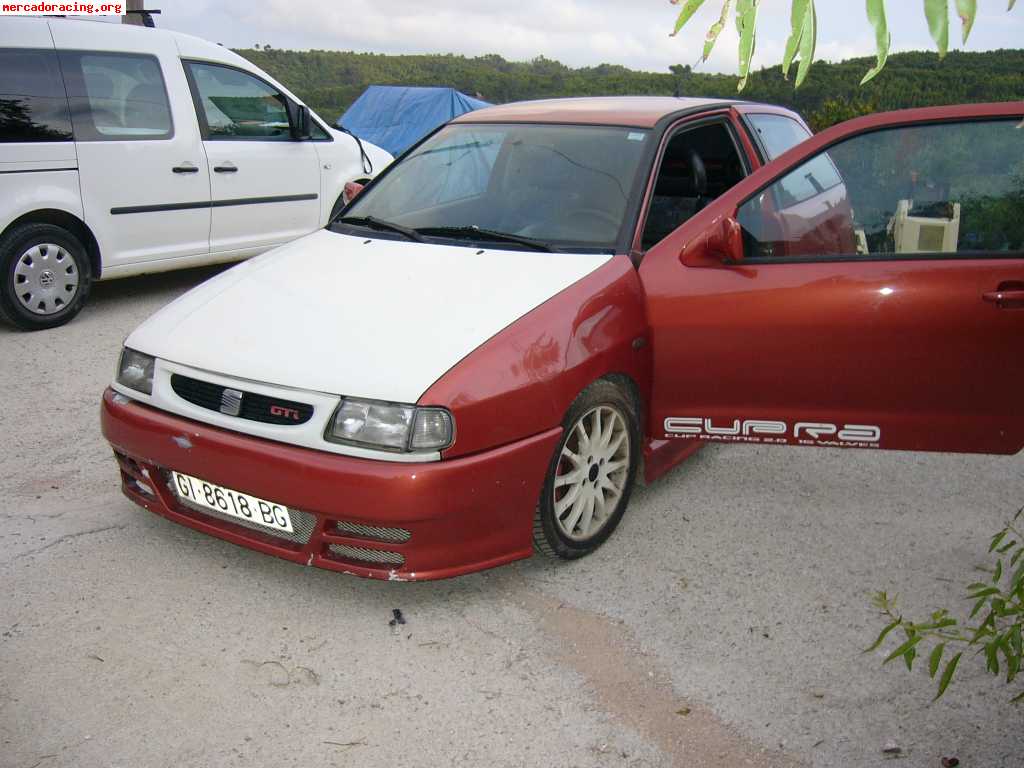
[(61, 52), (831, 258), (63, 87), (204, 126)]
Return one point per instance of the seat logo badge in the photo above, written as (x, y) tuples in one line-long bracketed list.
[(231, 402)]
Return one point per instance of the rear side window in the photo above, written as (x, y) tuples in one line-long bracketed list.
[(237, 105), (116, 96), (33, 105), (778, 133)]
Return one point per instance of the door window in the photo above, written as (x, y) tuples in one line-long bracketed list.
[(699, 164), (33, 105), (237, 105), (116, 96), (912, 192)]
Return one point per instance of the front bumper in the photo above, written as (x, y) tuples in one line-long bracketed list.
[(369, 518)]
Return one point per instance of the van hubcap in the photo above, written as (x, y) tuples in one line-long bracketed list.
[(45, 279), (592, 472)]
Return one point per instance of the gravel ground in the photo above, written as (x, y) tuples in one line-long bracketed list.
[(721, 625)]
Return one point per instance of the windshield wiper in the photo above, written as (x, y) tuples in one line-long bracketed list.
[(476, 233), (374, 223)]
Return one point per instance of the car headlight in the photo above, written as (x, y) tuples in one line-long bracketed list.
[(135, 371), (390, 426)]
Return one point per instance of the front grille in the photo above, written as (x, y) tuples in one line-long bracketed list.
[(303, 523), (255, 407), (362, 555), (380, 533)]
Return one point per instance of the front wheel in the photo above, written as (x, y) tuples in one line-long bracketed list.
[(46, 274), (591, 474)]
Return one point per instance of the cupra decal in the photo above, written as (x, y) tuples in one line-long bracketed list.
[(778, 432)]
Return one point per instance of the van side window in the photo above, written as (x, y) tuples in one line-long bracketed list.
[(33, 105), (239, 106), (116, 96)]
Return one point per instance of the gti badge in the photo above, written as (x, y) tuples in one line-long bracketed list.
[(231, 402)]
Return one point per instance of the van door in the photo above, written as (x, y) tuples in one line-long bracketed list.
[(865, 290), (265, 184), (145, 184)]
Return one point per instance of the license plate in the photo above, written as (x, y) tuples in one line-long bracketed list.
[(231, 502)]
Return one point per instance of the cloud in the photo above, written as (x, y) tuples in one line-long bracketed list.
[(634, 33)]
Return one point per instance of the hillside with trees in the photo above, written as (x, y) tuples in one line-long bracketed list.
[(329, 81)]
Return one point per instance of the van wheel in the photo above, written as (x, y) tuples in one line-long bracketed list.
[(591, 473), (46, 276)]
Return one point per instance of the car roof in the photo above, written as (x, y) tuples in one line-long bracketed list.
[(631, 111)]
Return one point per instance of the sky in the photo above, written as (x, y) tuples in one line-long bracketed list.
[(634, 33)]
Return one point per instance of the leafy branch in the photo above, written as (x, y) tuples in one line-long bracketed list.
[(803, 36), (1000, 603)]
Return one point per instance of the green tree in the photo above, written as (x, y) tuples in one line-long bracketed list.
[(804, 31)]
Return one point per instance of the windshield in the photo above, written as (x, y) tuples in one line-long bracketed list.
[(565, 186)]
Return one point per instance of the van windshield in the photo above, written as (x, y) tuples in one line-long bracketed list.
[(563, 186)]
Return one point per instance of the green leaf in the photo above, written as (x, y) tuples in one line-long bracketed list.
[(746, 19), (935, 658), (937, 12), (967, 10), (797, 13), (992, 658), (1007, 547), (998, 572), (977, 607), (876, 15), (904, 649), (1010, 6), (909, 657), (1019, 696), (715, 31), (808, 42), (947, 675), (888, 628), (690, 8), (984, 593), (996, 539)]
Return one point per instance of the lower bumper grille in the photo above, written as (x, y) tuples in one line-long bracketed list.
[(361, 555), (375, 532)]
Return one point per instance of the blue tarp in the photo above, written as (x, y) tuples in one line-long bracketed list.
[(396, 117)]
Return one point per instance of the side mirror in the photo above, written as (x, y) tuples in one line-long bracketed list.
[(301, 123), (721, 243)]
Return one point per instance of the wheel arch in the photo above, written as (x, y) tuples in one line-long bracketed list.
[(70, 222)]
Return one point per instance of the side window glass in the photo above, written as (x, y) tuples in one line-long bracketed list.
[(778, 133), (116, 96), (33, 105), (317, 132), (238, 105), (939, 189)]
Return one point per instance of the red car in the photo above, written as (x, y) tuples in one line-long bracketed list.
[(541, 299)]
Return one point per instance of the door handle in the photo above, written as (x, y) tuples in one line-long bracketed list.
[(1002, 298), (226, 168), (185, 168)]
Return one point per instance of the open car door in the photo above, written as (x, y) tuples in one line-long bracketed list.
[(865, 289)]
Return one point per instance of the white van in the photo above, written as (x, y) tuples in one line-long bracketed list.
[(126, 150)]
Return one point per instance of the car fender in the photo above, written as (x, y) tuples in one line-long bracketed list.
[(523, 379)]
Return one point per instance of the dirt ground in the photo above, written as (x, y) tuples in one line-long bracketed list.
[(722, 624)]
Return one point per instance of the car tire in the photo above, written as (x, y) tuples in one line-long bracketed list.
[(46, 276), (590, 476)]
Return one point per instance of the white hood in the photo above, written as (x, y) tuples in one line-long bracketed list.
[(345, 315)]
